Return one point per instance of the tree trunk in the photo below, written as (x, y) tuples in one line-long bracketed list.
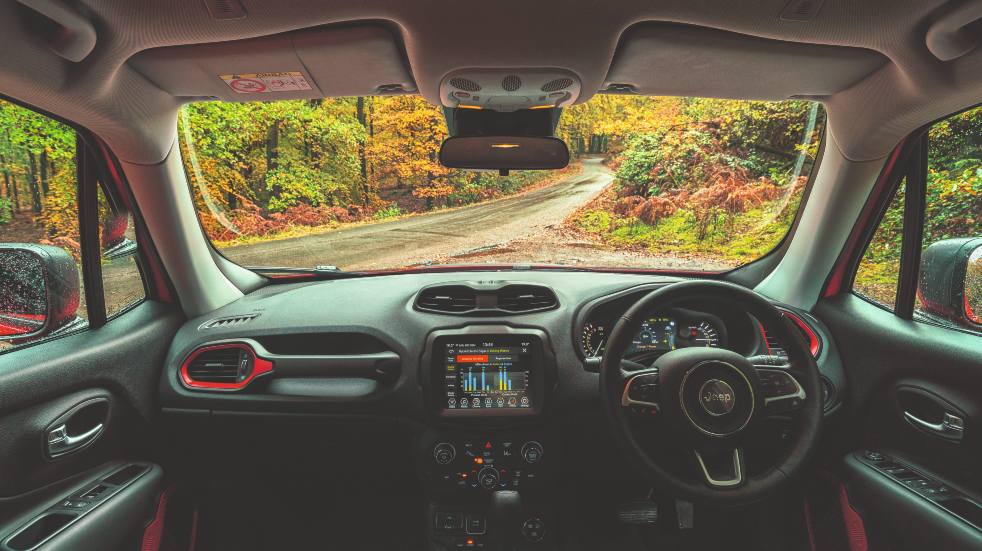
[(35, 191), (44, 172), (272, 153), (363, 120)]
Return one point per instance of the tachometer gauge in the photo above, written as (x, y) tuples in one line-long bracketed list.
[(593, 339), (704, 334)]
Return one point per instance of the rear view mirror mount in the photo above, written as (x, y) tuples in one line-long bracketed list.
[(504, 153)]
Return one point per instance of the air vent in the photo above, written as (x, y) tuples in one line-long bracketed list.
[(225, 10), (511, 83), (451, 299), (557, 84), (465, 84), (776, 348), (229, 321), (227, 366), (526, 298)]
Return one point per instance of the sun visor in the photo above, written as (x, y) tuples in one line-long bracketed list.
[(315, 63), (664, 59)]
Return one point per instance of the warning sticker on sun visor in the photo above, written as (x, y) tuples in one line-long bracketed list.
[(260, 83)]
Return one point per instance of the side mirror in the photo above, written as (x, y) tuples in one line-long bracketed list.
[(39, 290), (950, 283), (504, 153)]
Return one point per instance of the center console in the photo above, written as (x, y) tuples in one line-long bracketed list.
[(487, 463)]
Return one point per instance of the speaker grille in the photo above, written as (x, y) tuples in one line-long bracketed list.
[(557, 84), (511, 83), (465, 84)]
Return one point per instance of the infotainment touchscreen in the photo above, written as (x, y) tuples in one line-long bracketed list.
[(488, 373)]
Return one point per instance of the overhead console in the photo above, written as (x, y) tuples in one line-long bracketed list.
[(312, 63)]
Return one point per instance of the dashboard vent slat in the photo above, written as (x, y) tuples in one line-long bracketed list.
[(228, 321), (225, 365), (526, 298), (450, 299)]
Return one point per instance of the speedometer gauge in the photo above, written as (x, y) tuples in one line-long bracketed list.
[(704, 334), (593, 339)]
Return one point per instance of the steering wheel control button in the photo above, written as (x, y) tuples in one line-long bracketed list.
[(777, 383), (717, 397), (532, 452), (444, 453), (534, 530), (489, 478)]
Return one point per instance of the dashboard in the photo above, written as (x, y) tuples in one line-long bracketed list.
[(433, 347)]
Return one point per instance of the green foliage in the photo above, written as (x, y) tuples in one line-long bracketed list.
[(391, 211), (6, 210)]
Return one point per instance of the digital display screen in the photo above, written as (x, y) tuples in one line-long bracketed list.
[(656, 335), (488, 375)]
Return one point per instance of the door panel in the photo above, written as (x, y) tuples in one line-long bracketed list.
[(898, 369), (100, 387)]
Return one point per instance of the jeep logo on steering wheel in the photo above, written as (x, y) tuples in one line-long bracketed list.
[(716, 397)]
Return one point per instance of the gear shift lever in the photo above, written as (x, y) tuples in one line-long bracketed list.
[(505, 519)]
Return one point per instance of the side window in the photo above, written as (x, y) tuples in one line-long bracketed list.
[(878, 274), (951, 257), (122, 282), (924, 261), (43, 246)]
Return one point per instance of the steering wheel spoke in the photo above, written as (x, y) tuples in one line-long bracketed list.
[(640, 394), (782, 392), (721, 469)]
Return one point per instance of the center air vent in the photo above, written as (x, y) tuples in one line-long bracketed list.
[(228, 366), (526, 298), (487, 299), (449, 299)]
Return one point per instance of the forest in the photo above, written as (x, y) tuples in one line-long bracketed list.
[(705, 178)]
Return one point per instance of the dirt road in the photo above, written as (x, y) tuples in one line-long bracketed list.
[(438, 236)]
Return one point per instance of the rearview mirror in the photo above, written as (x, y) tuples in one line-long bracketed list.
[(504, 153), (39, 290), (950, 283)]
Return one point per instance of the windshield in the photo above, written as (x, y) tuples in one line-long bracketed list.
[(654, 183)]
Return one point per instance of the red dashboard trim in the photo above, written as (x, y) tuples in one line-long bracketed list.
[(260, 366), (814, 343)]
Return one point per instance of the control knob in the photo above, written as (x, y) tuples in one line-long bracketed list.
[(532, 452), (489, 478), (444, 453)]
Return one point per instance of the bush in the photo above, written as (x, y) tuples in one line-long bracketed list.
[(655, 209), (390, 211)]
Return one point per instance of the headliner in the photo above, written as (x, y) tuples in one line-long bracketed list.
[(902, 86)]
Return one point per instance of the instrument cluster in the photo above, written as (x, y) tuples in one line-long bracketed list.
[(660, 333)]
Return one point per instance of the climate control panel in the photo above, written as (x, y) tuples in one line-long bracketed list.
[(484, 464)]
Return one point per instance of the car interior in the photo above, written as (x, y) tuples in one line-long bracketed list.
[(254, 404)]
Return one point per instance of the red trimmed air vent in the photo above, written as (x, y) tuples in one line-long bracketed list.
[(776, 348), (226, 366)]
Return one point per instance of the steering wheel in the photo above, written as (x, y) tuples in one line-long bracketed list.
[(711, 400)]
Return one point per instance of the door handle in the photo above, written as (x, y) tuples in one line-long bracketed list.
[(60, 442), (951, 426)]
